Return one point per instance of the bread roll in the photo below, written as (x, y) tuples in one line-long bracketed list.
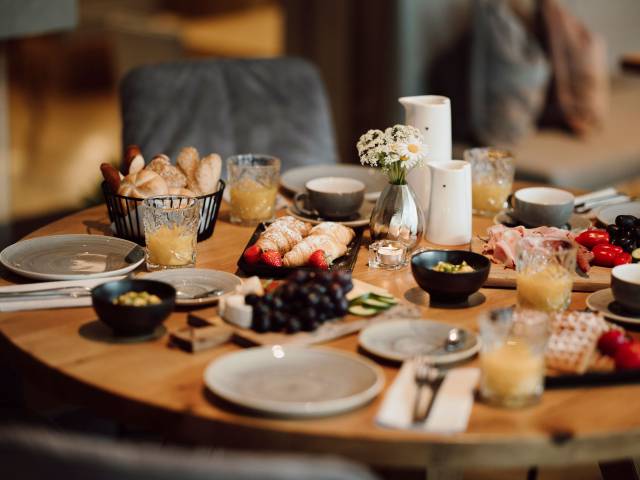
[(208, 173), (188, 159), (171, 174), (133, 159), (181, 191), (111, 176), (145, 183)]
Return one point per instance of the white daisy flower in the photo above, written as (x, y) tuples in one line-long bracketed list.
[(412, 151)]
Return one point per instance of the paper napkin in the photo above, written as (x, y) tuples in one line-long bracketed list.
[(58, 301), (451, 409)]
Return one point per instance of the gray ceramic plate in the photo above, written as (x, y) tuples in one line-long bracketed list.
[(294, 381), (70, 257), (399, 340), (375, 181), (602, 301), (607, 215), (195, 281)]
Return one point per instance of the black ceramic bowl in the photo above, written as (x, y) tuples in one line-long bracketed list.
[(133, 321), (449, 287)]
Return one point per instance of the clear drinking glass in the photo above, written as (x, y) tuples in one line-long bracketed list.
[(170, 231), (253, 182), (544, 273), (512, 356), (492, 172)]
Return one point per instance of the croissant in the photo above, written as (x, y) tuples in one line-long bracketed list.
[(299, 255), (282, 235), (339, 232)]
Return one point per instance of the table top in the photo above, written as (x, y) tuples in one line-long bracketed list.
[(151, 384)]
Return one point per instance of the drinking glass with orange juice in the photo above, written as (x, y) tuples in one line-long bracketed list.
[(492, 172), (544, 273), (512, 356), (170, 231), (253, 182)]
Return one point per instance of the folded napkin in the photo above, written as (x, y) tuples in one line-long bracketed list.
[(50, 301), (450, 411)]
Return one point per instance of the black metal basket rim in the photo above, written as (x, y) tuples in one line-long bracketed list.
[(105, 188)]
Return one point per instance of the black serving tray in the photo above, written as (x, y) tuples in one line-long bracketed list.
[(592, 379), (345, 262)]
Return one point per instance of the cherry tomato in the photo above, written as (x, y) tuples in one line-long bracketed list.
[(605, 254), (610, 341), (591, 238), (623, 258), (627, 356)]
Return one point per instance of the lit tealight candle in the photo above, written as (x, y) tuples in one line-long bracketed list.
[(387, 254), (390, 255)]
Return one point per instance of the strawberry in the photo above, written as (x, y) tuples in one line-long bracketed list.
[(271, 258), (252, 254), (319, 260)]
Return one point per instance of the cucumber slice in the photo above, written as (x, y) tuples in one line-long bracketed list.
[(636, 255), (384, 298), (362, 311), (377, 304)]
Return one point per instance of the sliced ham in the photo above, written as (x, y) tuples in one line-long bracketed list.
[(502, 241)]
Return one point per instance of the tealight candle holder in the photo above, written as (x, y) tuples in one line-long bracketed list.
[(388, 254)]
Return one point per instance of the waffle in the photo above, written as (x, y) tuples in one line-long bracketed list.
[(573, 340)]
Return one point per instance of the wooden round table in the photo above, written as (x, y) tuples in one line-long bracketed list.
[(162, 388)]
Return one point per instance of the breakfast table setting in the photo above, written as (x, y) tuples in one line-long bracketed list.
[(413, 311)]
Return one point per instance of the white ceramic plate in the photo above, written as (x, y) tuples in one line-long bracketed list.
[(195, 281), (576, 222), (399, 340), (294, 381), (375, 181), (602, 301), (69, 257), (607, 215)]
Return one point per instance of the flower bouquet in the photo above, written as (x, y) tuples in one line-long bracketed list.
[(395, 151), (397, 215)]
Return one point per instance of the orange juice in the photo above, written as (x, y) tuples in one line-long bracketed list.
[(489, 197), (512, 373), (547, 288), (171, 246), (252, 202)]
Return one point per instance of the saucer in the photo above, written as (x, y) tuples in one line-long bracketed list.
[(603, 301), (576, 222), (359, 219)]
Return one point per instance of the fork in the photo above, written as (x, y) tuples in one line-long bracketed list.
[(424, 375), (71, 291)]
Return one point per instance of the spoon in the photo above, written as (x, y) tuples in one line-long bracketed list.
[(209, 293), (454, 340)]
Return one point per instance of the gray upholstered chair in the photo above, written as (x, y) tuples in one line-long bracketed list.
[(31, 454), (273, 106)]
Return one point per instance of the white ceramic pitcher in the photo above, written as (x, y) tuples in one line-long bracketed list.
[(449, 218), (431, 114)]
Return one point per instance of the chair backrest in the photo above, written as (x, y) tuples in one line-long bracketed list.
[(273, 106), (34, 454)]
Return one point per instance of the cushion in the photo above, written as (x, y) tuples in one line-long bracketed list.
[(509, 75), (580, 73)]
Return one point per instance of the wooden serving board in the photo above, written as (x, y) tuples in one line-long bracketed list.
[(499, 276), (328, 331)]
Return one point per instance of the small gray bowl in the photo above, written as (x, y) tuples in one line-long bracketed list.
[(625, 284)]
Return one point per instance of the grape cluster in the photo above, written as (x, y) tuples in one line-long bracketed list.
[(304, 302), (625, 233)]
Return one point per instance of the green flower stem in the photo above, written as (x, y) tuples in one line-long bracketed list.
[(397, 174)]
